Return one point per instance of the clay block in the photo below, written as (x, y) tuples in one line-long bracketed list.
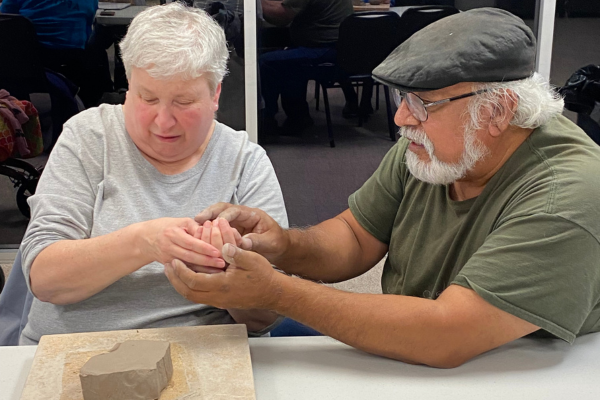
[(132, 370)]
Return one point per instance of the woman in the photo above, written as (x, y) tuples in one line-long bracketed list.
[(108, 209)]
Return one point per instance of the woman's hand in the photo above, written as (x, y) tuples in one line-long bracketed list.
[(216, 233), (166, 239), (261, 233)]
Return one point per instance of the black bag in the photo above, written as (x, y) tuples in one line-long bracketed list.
[(582, 94), (226, 19), (582, 90)]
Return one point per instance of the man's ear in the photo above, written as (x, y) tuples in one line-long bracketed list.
[(503, 113)]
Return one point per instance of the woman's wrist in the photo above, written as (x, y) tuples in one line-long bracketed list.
[(137, 240)]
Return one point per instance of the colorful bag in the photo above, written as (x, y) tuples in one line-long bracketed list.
[(20, 129)]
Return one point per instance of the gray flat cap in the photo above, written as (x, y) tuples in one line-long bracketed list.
[(479, 45)]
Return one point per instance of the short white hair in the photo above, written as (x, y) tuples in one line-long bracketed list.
[(176, 41), (537, 102)]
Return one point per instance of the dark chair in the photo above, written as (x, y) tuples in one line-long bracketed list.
[(365, 40), (22, 74), (22, 71)]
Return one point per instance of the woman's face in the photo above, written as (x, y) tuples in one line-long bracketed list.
[(169, 120)]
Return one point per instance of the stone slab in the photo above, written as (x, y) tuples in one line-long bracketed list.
[(209, 362)]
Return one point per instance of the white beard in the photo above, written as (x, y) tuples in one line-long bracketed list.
[(435, 171)]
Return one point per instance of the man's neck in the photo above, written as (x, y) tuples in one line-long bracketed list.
[(501, 149)]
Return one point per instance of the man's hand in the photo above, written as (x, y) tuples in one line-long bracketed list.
[(262, 233), (248, 282), (166, 239)]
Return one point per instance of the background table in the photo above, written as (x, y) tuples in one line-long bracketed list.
[(323, 368), (370, 7), (121, 17)]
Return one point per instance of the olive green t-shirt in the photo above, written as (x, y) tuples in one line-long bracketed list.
[(528, 244), (317, 22)]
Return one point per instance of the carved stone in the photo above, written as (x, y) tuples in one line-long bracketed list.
[(132, 370)]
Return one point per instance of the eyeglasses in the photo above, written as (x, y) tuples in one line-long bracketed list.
[(418, 107)]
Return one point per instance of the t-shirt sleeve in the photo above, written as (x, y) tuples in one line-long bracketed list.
[(541, 268), (376, 203), (62, 207), (259, 188), (295, 5)]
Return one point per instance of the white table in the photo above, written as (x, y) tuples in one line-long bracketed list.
[(322, 368)]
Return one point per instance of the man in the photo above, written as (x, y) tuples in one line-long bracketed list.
[(314, 26), (488, 208)]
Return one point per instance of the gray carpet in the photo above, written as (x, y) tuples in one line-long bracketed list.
[(316, 179)]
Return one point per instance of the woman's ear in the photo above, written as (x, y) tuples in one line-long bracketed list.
[(503, 113), (216, 97)]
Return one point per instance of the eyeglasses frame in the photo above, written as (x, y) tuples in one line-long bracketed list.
[(403, 94)]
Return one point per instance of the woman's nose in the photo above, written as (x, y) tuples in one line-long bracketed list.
[(164, 118)]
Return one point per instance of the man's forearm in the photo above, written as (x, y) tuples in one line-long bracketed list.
[(443, 333), (328, 252), (70, 271), (400, 327)]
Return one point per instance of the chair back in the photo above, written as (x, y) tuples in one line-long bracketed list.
[(365, 40), (21, 71), (417, 18)]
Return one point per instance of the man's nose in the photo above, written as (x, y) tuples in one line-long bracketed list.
[(165, 118), (404, 117)]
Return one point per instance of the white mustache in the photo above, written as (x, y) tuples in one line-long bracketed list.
[(417, 136), (412, 134)]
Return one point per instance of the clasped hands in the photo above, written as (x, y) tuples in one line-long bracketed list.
[(229, 277)]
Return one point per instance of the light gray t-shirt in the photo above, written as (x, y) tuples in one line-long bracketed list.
[(97, 181)]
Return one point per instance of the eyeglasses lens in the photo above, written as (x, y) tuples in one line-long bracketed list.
[(414, 103), (397, 97), (416, 107)]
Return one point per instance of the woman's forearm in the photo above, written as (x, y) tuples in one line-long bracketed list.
[(70, 271)]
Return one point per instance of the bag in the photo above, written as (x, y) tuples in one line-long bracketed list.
[(582, 95), (582, 89), (20, 129)]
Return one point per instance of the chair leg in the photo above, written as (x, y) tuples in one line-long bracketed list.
[(390, 116), (317, 90), (328, 116)]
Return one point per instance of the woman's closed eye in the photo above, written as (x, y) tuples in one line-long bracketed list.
[(184, 102), (149, 100)]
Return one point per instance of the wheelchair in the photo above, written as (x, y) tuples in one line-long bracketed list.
[(24, 177)]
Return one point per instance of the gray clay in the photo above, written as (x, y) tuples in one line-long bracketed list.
[(132, 370)]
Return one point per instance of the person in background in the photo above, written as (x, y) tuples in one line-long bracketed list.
[(487, 208), (63, 28), (116, 197), (314, 28)]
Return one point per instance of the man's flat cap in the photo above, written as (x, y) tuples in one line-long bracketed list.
[(479, 45)]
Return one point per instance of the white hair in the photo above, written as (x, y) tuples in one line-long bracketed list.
[(176, 41), (537, 102)]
